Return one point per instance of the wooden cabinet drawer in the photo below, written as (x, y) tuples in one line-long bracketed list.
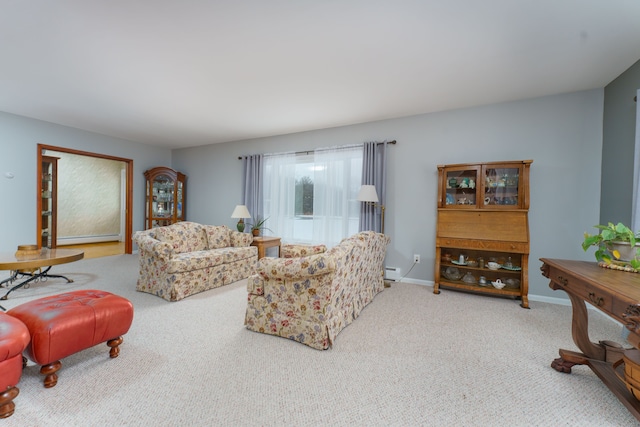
[(489, 245)]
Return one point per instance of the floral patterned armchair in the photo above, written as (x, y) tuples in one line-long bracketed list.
[(310, 299)]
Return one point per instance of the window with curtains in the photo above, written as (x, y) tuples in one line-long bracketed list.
[(311, 197)]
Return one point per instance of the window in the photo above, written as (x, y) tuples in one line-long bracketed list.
[(311, 197)]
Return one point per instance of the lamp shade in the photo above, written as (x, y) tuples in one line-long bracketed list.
[(368, 194), (241, 211)]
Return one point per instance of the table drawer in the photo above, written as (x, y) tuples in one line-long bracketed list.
[(579, 288)]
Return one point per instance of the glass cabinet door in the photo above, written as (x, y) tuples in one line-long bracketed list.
[(460, 187), (163, 200), (501, 186), (179, 201)]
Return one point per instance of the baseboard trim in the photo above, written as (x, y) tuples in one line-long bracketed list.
[(539, 298)]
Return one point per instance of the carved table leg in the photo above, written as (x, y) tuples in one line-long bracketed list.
[(115, 350), (580, 330), (6, 401), (51, 378), (567, 359)]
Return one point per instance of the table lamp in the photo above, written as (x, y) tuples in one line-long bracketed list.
[(241, 212)]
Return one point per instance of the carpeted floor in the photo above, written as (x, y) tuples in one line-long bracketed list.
[(411, 358)]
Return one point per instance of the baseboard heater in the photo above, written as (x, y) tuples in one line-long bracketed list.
[(81, 240), (392, 273)]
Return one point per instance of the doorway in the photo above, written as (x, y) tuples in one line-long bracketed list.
[(127, 187)]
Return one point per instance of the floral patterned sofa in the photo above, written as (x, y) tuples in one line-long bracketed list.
[(186, 258), (310, 299)]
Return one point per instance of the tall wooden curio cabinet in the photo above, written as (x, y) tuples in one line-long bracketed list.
[(482, 235), (165, 197), (48, 202)]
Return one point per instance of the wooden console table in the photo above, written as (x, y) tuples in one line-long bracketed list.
[(615, 293)]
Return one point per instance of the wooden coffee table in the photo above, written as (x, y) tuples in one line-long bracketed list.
[(36, 266)]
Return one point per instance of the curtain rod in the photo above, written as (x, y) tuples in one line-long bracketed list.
[(311, 151)]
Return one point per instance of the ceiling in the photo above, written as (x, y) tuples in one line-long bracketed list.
[(193, 72)]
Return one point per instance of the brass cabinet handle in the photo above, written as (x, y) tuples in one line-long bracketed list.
[(563, 281), (597, 301)]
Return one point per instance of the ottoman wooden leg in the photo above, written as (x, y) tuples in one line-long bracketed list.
[(115, 350), (50, 370), (6, 401)]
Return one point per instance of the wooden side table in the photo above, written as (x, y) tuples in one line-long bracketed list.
[(266, 242)]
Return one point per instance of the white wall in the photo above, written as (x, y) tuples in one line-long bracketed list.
[(562, 134), (88, 199), (19, 137)]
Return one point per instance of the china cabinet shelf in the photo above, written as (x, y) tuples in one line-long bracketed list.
[(165, 197), (48, 202), (483, 217)]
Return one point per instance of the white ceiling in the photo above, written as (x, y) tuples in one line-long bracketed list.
[(193, 72)]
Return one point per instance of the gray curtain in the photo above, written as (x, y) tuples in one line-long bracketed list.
[(374, 172), (252, 185)]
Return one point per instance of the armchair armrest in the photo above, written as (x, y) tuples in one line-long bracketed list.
[(285, 274), (290, 250), (298, 268), (163, 250)]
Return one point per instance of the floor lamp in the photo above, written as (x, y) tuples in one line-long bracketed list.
[(369, 195)]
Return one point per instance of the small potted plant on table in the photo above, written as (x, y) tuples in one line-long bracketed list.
[(258, 225), (616, 244)]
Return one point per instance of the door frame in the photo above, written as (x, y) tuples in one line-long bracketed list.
[(128, 246)]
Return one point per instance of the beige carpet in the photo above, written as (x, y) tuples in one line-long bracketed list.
[(412, 358)]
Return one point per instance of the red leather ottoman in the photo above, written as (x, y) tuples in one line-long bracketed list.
[(61, 325), (14, 338)]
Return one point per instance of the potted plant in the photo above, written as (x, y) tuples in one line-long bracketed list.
[(615, 244), (258, 225)]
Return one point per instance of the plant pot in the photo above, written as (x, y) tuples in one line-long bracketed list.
[(255, 232), (626, 251)]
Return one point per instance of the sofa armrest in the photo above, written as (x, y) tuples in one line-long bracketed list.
[(295, 268), (239, 239), (163, 250), (290, 250)]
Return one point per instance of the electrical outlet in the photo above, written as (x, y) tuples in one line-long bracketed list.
[(416, 258)]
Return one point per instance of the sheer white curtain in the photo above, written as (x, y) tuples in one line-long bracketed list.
[(335, 173), (336, 182), (635, 217), (279, 191)]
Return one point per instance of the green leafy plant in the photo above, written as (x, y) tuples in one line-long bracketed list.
[(258, 224), (606, 240)]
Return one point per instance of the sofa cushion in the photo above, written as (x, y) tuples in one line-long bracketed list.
[(183, 236), (218, 236), (237, 254), (195, 261)]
